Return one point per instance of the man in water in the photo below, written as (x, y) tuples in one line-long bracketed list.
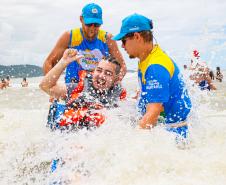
[(92, 92), (200, 76), (162, 89), (90, 41), (219, 75), (8, 81), (3, 84), (24, 83)]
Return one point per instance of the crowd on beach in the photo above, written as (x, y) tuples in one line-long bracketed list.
[(6, 82)]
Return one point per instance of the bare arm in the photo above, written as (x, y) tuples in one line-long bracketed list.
[(57, 52), (49, 82), (114, 51), (150, 118)]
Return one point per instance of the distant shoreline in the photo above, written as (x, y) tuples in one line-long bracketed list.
[(20, 71)]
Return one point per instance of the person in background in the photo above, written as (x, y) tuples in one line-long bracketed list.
[(211, 74), (162, 89), (219, 75), (192, 65), (24, 83), (3, 84), (8, 81), (200, 76)]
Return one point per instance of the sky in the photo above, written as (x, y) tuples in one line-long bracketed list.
[(29, 29)]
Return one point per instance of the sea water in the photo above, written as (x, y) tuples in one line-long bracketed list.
[(116, 153)]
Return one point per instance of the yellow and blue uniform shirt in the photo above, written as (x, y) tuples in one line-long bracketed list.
[(160, 82), (93, 51)]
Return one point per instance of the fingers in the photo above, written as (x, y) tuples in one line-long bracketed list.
[(71, 52)]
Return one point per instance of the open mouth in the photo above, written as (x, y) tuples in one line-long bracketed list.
[(101, 82)]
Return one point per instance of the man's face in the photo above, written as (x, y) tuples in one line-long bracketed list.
[(104, 76), (128, 43), (90, 30)]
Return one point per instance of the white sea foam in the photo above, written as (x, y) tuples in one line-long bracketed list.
[(117, 152)]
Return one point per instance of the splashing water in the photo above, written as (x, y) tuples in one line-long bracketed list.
[(117, 152)]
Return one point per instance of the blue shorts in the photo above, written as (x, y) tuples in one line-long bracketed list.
[(181, 131)]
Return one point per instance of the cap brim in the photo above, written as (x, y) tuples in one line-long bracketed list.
[(119, 36), (92, 20)]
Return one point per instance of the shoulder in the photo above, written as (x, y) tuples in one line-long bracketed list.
[(65, 36), (102, 35), (163, 60), (75, 37), (63, 41), (158, 61)]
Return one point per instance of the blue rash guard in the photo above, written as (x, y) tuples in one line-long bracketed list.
[(160, 82)]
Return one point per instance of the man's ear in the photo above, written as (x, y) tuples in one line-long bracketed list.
[(81, 19), (137, 36), (117, 80)]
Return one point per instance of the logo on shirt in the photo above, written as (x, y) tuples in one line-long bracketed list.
[(153, 84), (90, 59)]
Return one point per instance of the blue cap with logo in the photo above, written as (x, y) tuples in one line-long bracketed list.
[(92, 13), (134, 23)]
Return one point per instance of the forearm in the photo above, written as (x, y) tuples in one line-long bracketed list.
[(150, 118), (52, 76), (47, 66)]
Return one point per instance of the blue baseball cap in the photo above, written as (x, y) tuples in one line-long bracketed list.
[(92, 13), (133, 23)]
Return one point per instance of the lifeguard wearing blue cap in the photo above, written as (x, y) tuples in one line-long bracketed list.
[(162, 90), (92, 13), (91, 42), (134, 23)]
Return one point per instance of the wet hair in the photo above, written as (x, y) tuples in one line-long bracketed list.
[(147, 35), (218, 68), (24, 79), (113, 60)]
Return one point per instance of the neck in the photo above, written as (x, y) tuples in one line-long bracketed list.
[(87, 37), (145, 51)]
